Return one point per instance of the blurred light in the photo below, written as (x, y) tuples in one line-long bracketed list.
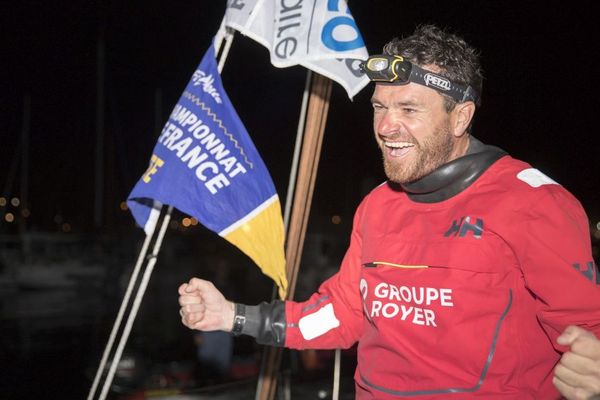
[(25, 213), (2, 201), (66, 227), (174, 224), (336, 220), (186, 222), (597, 234), (15, 201), (597, 224), (194, 221), (123, 206), (9, 217), (58, 219)]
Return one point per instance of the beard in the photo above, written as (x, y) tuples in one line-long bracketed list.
[(429, 155)]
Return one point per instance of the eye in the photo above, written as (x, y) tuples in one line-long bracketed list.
[(409, 110), (377, 107)]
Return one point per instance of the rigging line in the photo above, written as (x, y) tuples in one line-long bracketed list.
[(119, 319), (136, 303)]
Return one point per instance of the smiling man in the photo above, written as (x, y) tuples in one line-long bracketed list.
[(415, 133), (469, 273)]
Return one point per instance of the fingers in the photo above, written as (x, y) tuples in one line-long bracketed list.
[(577, 364), (571, 392), (192, 314), (182, 289), (581, 342), (577, 375), (203, 306), (199, 285), (192, 291), (587, 346), (192, 307), (577, 371), (572, 333), (183, 300)]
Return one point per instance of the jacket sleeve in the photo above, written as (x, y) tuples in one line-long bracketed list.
[(330, 318), (552, 243), (333, 316)]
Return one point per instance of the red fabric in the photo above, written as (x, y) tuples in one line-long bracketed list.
[(481, 318)]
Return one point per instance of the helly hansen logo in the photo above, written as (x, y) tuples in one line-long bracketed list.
[(466, 225), (589, 270)]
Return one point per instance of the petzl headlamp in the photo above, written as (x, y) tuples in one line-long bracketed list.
[(398, 71)]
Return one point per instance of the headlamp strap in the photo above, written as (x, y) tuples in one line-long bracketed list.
[(458, 92)]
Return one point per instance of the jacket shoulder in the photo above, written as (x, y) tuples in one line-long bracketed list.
[(526, 185)]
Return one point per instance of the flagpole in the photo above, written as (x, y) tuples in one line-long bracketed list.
[(111, 340), (318, 107), (228, 41), (136, 303), (290, 190), (297, 147), (222, 34)]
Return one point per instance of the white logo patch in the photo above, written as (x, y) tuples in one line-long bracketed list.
[(535, 178), (437, 81), (319, 323)]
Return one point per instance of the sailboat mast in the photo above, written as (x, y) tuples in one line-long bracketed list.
[(25, 132), (99, 176)]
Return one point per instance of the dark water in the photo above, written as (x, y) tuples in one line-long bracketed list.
[(53, 332), (52, 341), (47, 343)]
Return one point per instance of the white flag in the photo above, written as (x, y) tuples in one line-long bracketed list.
[(320, 35)]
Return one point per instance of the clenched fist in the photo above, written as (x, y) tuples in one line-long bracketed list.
[(577, 375), (203, 306)]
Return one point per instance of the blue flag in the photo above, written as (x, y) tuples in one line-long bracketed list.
[(205, 164)]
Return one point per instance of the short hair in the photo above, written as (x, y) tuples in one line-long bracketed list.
[(431, 45)]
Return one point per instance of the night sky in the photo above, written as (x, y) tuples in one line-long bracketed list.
[(539, 101)]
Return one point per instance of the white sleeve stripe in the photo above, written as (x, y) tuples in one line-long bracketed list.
[(318, 323)]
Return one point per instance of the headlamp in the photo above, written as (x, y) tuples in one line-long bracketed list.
[(398, 71)]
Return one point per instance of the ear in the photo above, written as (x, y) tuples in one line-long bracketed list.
[(462, 116)]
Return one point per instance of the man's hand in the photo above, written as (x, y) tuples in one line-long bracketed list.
[(203, 306), (577, 375)]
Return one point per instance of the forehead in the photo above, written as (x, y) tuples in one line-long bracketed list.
[(410, 93)]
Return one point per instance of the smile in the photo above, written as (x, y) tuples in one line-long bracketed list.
[(398, 149)]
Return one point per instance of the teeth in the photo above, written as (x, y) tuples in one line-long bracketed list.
[(398, 145)]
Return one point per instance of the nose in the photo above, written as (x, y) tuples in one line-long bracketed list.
[(386, 124)]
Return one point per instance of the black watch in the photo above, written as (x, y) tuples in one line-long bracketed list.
[(239, 319)]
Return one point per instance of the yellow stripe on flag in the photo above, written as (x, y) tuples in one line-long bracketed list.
[(261, 238)]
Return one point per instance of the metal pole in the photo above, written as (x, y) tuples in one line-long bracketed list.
[(136, 304), (297, 147), (123, 307), (315, 126), (336, 375)]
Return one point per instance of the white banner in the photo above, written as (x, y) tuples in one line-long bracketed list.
[(320, 35)]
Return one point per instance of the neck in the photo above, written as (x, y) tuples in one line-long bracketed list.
[(461, 148)]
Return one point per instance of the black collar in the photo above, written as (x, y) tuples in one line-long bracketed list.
[(454, 176)]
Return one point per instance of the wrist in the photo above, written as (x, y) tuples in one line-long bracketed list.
[(239, 318)]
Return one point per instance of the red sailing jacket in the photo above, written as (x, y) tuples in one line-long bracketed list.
[(461, 298)]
